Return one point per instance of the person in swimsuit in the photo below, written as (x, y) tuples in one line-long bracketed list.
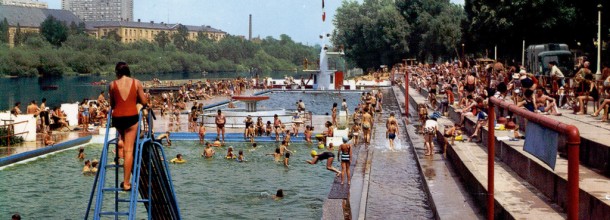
[(355, 133), (345, 153), (307, 134), (276, 124), (528, 101), (471, 83), (329, 156), (248, 121), (166, 137), (125, 93), (391, 133), (367, 122), (276, 155), (201, 133), (220, 125), (590, 93), (208, 152), (230, 154), (85, 114)]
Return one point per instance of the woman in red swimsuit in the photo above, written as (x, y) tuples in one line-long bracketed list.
[(125, 93)]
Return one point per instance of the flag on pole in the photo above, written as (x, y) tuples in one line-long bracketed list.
[(323, 16)]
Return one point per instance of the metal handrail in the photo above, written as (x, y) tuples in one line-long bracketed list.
[(573, 141)]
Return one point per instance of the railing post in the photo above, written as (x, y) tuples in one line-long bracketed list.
[(491, 154), (406, 93), (573, 176)]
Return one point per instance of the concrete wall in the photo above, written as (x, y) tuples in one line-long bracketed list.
[(29, 125)]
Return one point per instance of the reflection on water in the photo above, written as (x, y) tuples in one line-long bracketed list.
[(75, 88), (206, 188)]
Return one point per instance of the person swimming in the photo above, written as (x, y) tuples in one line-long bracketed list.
[(329, 156), (87, 167), (278, 195), (94, 164), (253, 147), (277, 155), (208, 152), (81, 153), (217, 143), (178, 159), (230, 154), (240, 157)]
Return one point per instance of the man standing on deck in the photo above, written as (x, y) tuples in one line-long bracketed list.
[(220, 125)]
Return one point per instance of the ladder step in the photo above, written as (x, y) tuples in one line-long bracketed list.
[(127, 200), (114, 166), (112, 189), (115, 213)]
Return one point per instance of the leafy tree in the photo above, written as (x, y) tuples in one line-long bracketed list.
[(18, 38), (77, 29), (162, 39), (113, 35), (54, 31), (508, 23), (373, 33), (4, 31), (180, 37)]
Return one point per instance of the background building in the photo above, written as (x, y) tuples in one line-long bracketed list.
[(130, 32), (25, 3), (100, 10), (29, 19)]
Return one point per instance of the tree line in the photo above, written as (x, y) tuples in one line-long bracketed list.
[(378, 32), (60, 48)]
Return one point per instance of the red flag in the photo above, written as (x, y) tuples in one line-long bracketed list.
[(323, 16), (322, 3)]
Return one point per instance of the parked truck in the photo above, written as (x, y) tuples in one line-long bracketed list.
[(538, 58)]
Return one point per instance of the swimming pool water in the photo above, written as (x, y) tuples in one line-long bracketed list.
[(54, 188), (319, 103)]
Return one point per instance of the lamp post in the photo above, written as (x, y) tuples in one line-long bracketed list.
[(599, 39)]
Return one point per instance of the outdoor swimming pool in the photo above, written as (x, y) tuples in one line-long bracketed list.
[(53, 187), (318, 102)]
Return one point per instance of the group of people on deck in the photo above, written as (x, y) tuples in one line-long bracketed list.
[(468, 88)]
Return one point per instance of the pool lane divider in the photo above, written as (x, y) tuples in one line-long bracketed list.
[(42, 151), (229, 137)]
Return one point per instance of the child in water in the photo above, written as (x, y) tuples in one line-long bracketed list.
[(87, 167), (253, 147), (178, 159), (276, 155), (81, 153), (94, 164), (307, 134), (201, 133), (208, 151), (278, 195), (230, 154), (240, 157)]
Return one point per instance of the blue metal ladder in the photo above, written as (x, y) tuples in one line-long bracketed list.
[(150, 177)]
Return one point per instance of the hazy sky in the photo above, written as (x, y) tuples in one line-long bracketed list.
[(300, 19)]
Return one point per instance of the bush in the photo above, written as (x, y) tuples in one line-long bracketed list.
[(13, 139)]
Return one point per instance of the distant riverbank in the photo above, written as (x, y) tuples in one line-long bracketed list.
[(83, 55), (73, 88)]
